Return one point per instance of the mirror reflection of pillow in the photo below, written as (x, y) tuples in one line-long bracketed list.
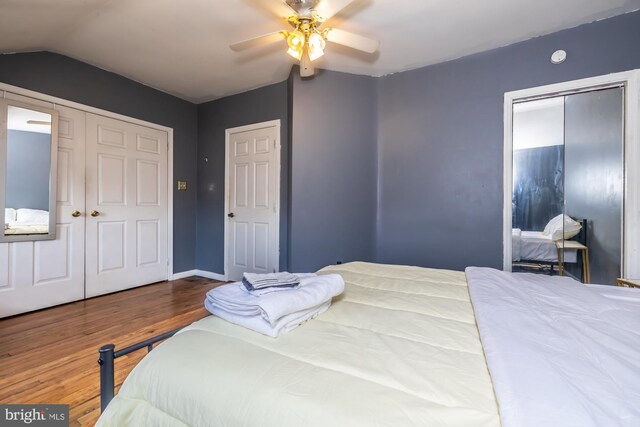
[(9, 215), (32, 216), (562, 227), (552, 225)]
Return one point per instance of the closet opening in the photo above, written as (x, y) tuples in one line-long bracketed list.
[(567, 185)]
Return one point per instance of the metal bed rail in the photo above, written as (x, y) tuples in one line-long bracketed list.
[(108, 355)]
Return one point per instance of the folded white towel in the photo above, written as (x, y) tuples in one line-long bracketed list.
[(313, 292), (258, 324)]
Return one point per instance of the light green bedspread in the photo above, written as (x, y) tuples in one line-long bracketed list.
[(400, 347)]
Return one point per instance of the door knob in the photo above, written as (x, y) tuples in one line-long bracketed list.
[(231, 214), (75, 214), (95, 213)]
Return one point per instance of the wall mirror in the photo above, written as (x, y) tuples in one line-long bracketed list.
[(28, 166)]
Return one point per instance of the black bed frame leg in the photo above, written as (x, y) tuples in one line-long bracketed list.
[(108, 355), (107, 387)]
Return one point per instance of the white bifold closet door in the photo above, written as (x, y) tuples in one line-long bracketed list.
[(126, 205), (117, 169), (40, 274)]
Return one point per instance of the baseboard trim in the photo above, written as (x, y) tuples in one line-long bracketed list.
[(182, 275), (210, 275), (201, 273)]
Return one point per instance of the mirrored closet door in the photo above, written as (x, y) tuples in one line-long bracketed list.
[(568, 185)]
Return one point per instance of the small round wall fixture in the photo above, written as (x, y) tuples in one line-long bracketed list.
[(558, 57)]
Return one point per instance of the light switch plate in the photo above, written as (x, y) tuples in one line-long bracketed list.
[(182, 185)]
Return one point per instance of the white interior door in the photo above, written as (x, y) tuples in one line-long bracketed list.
[(126, 205), (40, 274), (252, 193)]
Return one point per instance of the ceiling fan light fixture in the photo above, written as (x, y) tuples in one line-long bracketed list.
[(296, 40), (315, 54), (307, 40), (315, 45), (296, 53)]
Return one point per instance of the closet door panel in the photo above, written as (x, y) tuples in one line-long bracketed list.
[(594, 175), (4, 262), (71, 198), (41, 274), (127, 191), (53, 258)]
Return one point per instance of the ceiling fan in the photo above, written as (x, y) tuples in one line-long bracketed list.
[(307, 41)]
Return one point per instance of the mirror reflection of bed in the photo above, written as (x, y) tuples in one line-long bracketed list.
[(568, 185), (25, 221), (27, 172)]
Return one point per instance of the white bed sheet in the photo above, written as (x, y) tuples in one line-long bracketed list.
[(560, 353), (399, 347), (536, 246)]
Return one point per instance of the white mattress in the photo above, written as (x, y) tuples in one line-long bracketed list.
[(536, 246), (560, 353), (400, 347)]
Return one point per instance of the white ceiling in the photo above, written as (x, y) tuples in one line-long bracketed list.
[(181, 46), (19, 118)]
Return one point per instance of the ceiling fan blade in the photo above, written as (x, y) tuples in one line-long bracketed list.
[(278, 7), (328, 8), (259, 41), (354, 41), (281, 8)]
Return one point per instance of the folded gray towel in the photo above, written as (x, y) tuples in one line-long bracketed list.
[(259, 281), (249, 287)]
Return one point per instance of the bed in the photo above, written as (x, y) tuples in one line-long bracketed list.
[(536, 246), (400, 347), (539, 247), (25, 221)]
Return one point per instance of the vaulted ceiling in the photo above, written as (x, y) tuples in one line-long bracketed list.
[(182, 47)]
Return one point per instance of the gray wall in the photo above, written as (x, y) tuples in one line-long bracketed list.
[(441, 141), (406, 168), (333, 172), (260, 105), (72, 80), (28, 167)]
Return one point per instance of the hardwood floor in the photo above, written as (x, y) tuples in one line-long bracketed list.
[(50, 356)]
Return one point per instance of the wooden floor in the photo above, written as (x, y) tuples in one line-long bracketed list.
[(50, 356)]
